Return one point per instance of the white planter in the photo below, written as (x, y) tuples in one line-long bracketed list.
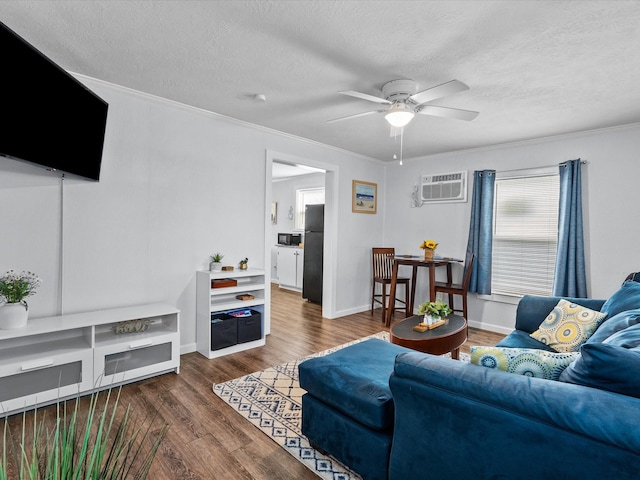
[(215, 266), (13, 315), (430, 320)]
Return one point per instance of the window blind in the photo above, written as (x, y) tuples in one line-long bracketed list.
[(525, 235), (311, 196)]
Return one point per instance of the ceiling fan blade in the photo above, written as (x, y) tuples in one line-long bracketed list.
[(365, 96), (447, 112), (448, 88), (354, 116)]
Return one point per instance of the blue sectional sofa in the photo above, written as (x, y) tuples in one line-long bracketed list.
[(452, 419)]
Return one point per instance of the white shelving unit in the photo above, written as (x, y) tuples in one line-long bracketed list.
[(217, 300), (63, 356)]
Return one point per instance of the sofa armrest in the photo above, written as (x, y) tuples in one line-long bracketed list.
[(532, 309), (601, 415)]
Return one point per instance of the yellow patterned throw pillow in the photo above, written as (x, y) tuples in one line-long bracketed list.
[(568, 326), (524, 361)]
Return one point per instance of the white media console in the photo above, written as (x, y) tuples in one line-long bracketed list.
[(63, 356)]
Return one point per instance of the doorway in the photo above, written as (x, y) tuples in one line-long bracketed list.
[(293, 166)]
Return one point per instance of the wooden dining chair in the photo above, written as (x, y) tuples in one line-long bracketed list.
[(382, 271), (461, 289)]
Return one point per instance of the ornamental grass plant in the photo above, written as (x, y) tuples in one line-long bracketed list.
[(109, 443)]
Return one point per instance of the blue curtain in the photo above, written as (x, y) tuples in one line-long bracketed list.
[(481, 230), (570, 278)]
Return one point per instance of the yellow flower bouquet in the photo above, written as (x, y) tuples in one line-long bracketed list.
[(429, 247)]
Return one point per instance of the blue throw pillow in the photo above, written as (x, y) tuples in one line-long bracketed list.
[(626, 298), (607, 367), (617, 323), (627, 338)]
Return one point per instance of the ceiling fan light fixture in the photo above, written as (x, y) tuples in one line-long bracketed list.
[(399, 115)]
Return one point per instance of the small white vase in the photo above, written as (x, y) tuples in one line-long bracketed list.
[(13, 315), (215, 266), (430, 320)]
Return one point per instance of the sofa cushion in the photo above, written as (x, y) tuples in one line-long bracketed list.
[(355, 381), (521, 339), (607, 367), (615, 324), (626, 298), (568, 326), (524, 361)]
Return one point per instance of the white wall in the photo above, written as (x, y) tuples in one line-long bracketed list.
[(177, 185), (610, 184)]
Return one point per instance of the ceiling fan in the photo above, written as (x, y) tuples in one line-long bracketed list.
[(405, 101)]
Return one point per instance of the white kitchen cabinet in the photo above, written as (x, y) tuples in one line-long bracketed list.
[(290, 267)]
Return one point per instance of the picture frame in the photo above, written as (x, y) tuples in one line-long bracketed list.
[(364, 197)]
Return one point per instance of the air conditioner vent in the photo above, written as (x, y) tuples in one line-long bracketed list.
[(444, 187)]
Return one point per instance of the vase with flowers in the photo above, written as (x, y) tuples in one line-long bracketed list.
[(14, 289), (433, 311), (429, 247)]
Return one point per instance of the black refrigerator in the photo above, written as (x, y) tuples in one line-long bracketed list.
[(313, 253)]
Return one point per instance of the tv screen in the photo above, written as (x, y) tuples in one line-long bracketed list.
[(49, 117)]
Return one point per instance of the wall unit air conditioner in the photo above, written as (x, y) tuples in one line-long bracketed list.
[(444, 187)]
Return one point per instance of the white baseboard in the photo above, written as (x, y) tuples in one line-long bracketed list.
[(189, 348)]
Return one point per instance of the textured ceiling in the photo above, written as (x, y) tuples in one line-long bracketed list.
[(534, 68)]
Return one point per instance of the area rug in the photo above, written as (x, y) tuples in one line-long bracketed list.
[(272, 401)]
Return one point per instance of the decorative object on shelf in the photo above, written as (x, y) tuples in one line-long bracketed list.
[(364, 197), (138, 325), (243, 263), (245, 296), (434, 313), (14, 288), (215, 264), (227, 268), (429, 247), (224, 283), (121, 445)]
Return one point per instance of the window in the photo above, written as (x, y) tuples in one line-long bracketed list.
[(525, 234), (311, 196)]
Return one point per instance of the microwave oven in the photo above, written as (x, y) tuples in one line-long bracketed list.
[(289, 238)]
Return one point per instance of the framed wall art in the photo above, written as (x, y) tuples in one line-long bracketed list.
[(364, 197)]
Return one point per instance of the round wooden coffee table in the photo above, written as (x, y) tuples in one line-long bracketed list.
[(445, 338)]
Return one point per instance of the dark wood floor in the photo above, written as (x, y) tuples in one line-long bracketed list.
[(207, 439)]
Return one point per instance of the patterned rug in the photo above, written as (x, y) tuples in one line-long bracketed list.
[(272, 401)]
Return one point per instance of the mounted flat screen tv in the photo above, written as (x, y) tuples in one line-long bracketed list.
[(49, 118)]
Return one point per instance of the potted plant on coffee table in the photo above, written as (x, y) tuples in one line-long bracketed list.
[(433, 311)]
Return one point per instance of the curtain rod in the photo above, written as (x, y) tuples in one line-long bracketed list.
[(562, 164)]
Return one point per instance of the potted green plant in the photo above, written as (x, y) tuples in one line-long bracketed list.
[(14, 289), (243, 263), (433, 311), (215, 264)]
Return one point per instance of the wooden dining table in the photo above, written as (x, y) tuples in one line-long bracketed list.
[(416, 262)]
